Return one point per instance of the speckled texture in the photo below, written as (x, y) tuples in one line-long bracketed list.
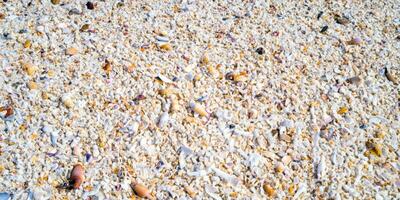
[(179, 97)]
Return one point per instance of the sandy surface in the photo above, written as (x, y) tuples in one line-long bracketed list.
[(199, 99)]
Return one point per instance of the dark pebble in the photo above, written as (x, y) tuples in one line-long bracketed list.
[(320, 15), (354, 80), (89, 5), (22, 31), (260, 50), (324, 29), (74, 11)]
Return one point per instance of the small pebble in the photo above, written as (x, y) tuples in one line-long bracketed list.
[(29, 68), (141, 191), (27, 44), (89, 5), (84, 27), (199, 109), (260, 51), (166, 47), (269, 190), (341, 20), (324, 29), (32, 85), (279, 168), (354, 80), (389, 76), (71, 51), (354, 41), (55, 2)]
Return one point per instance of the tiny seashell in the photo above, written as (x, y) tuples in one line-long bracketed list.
[(71, 51), (229, 178), (165, 46), (29, 68), (389, 76), (354, 41), (77, 176), (199, 109), (162, 38), (279, 168), (269, 190), (67, 101), (164, 79), (163, 119), (53, 138), (141, 190), (354, 80), (190, 191)]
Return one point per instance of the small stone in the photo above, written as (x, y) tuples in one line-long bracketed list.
[(55, 2), (2, 16), (279, 168), (341, 20), (354, 80), (29, 68), (342, 110), (269, 190), (67, 101), (107, 67), (71, 51), (27, 44), (389, 76), (32, 85), (354, 41), (89, 5), (324, 29), (260, 50), (85, 27), (166, 47)]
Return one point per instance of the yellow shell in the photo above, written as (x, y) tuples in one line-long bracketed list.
[(269, 190), (71, 51)]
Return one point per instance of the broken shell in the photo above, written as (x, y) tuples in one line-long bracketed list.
[(9, 111), (141, 190), (32, 85), (174, 105), (77, 176), (199, 109), (269, 190), (107, 67), (342, 110), (166, 92), (354, 41), (389, 76), (279, 168), (204, 60), (163, 119), (341, 20), (166, 47), (213, 71), (190, 191), (67, 101), (27, 44), (29, 68), (71, 51), (354, 80), (253, 114)]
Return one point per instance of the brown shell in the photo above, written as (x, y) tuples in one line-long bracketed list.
[(141, 190), (76, 177)]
